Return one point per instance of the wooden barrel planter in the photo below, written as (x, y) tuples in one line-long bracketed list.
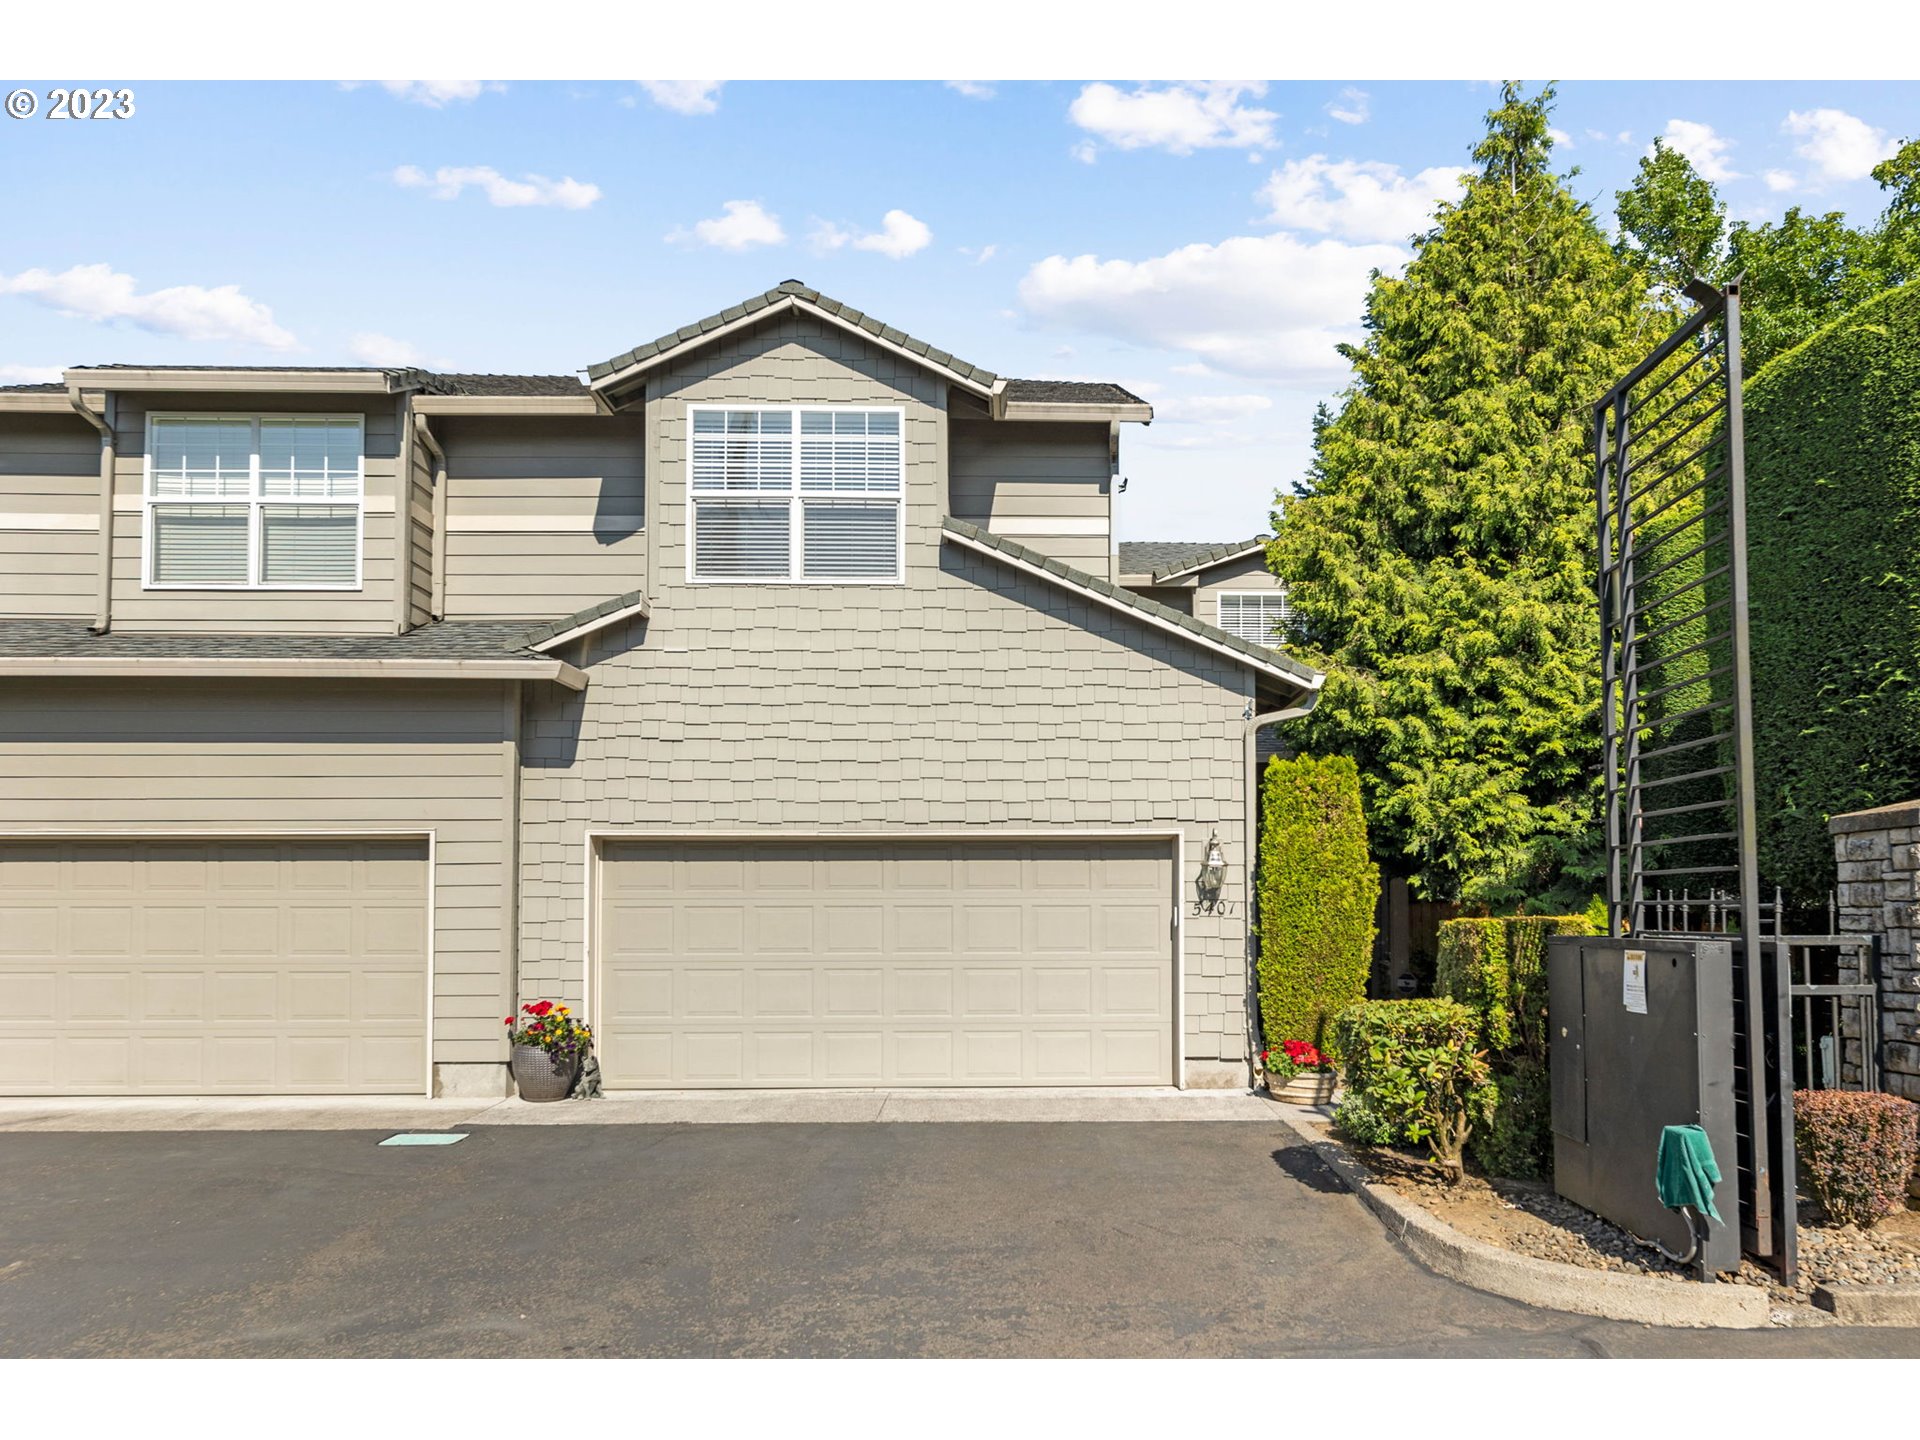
[(1309, 1087)]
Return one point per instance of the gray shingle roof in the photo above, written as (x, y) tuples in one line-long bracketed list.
[(574, 621), (1264, 656), (1172, 557), (794, 289), (437, 383), (38, 388), (427, 382), (443, 640), (1071, 392)]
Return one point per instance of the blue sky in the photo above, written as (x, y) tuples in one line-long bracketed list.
[(1204, 244)]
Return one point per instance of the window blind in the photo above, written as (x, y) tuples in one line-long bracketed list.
[(1261, 616), (200, 544), (308, 544)]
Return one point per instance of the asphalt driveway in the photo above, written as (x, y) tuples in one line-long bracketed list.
[(817, 1240)]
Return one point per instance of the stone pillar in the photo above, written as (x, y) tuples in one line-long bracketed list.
[(1878, 852)]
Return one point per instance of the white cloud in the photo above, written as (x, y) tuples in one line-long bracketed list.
[(1179, 118), (1357, 199), (1560, 138), (434, 94), (980, 256), (1210, 409), (1085, 151), (370, 347), (686, 97), (742, 225), (1778, 180), (1351, 108), (1706, 150), (972, 89), (1841, 146), (193, 312), (899, 236), (449, 180), (29, 374), (1271, 306)]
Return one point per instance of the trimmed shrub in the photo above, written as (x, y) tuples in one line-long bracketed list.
[(1527, 937), (1856, 1151), (1472, 969), (1358, 1121), (1418, 1066), (1833, 527), (1317, 889), (1517, 1140)]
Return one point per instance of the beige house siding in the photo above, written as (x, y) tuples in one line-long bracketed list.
[(1241, 575), (545, 516), (244, 757), (971, 699), (366, 611), (49, 517), (1047, 486), (1181, 600), (419, 525)]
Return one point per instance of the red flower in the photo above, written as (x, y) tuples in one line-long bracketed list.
[(536, 1025), (542, 1008), (509, 1020)]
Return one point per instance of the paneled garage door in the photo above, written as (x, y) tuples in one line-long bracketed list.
[(840, 963), (164, 967)]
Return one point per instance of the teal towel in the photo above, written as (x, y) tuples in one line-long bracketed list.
[(1687, 1173)]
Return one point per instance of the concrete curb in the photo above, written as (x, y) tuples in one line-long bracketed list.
[(1870, 1304), (1544, 1283)]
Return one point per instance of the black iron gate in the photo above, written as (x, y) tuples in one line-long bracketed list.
[(1677, 708)]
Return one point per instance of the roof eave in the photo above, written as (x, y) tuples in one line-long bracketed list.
[(342, 382), (290, 668), (1162, 576), (528, 405), (1056, 410)]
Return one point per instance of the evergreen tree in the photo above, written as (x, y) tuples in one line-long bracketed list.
[(1439, 554)]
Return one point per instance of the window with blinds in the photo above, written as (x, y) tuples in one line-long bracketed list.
[(255, 502), (1261, 616), (796, 494)]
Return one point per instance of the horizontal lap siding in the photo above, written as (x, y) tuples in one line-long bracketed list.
[(1243, 575), (418, 530), (49, 517), (544, 516), (970, 699), (366, 611), (247, 756), (1044, 485)]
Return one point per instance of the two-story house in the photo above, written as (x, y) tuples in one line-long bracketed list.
[(769, 694)]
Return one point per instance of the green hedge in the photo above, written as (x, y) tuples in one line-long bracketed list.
[(1317, 892), (1414, 1069), (1833, 523), (1497, 968)]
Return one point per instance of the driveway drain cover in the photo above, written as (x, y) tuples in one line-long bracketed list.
[(423, 1138)]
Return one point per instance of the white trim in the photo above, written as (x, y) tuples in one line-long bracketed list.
[(1044, 525), (795, 496), (1066, 410), (542, 524), (356, 382), (680, 348), (216, 832), (46, 520), (1220, 598), (599, 622), (1144, 617), (595, 836), (1256, 547), (254, 500), (581, 404)]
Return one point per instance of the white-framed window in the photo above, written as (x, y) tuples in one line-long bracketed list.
[(254, 502), (796, 494), (1261, 616)]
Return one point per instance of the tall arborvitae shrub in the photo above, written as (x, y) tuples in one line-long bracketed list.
[(1317, 892), (1833, 526)]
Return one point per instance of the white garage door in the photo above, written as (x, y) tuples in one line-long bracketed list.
[(840, 963), (161, 967)]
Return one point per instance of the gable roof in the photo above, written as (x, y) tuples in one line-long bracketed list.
[(1168, 559), (1261, 658)]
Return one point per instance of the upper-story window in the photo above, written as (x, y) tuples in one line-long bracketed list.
[(264, 502), (1261, 616), (796, 494)]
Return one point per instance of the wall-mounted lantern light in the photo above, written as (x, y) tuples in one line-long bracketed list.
[(1213, 874)]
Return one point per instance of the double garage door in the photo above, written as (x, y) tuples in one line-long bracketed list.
[(167, 967), (843, 963)]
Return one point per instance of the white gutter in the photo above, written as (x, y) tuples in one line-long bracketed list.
[(265, 668), (103, 610)]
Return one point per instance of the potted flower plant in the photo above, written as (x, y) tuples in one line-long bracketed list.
[(1298, 1073), (548, 1048)]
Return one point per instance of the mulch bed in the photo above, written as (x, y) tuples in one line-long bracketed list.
[(1529, 1219)]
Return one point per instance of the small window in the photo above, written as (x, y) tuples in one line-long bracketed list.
[(1262, 616), (800, 494), (255, 502)]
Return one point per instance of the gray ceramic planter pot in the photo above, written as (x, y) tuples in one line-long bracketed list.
[(540, 1076)]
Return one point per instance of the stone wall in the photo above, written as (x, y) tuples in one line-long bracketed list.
[(1878, 853)]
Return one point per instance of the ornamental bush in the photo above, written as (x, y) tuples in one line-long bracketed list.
[(1856, 1151), (1516, 1142), (1317, 890), (1417, 1065), (1833, 537)]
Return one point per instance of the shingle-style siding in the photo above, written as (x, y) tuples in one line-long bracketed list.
[(1046, 485), (972, 698), (49, 516), (366, 611), (544, 516), (246, 756)]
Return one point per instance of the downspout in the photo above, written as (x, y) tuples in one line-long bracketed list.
[(103, 610), (1254, 724), (437, 599)]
